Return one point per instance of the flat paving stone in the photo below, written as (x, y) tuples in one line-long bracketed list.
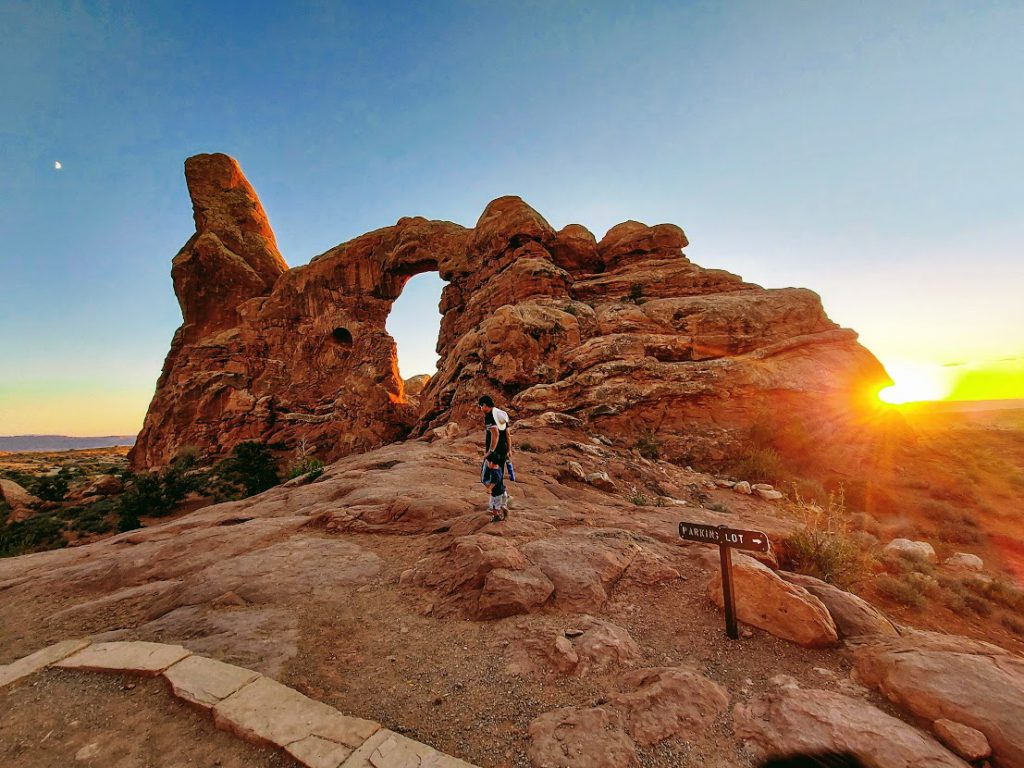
[(316, 752), (32, 663), (205, 682), (264, 711), (149, 659), (387, 749)]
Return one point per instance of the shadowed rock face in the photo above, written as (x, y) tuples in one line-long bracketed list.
[(625, 332)]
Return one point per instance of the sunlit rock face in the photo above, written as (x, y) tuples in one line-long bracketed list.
[(624, 332)]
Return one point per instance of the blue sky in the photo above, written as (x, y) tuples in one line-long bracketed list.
[(870, 151)]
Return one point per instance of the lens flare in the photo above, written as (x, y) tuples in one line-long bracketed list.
[(915, 382)]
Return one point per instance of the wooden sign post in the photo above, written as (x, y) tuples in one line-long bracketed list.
[(727, 539)]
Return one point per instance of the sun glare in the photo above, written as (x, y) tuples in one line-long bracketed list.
[(914, 382)]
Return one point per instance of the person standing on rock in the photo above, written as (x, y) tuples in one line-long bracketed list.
[(494, 482), (496, 423)]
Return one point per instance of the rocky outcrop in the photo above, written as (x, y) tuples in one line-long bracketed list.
[(18, 499), (624, 332), (948, 677), (666, 702), (570, 737), (792, 721)]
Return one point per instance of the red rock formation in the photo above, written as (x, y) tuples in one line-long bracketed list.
[(626, 333)]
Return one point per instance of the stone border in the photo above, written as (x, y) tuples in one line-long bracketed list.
[(245, 703)]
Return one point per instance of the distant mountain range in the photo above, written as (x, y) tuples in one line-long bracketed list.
[(61, 442), (964, 406)]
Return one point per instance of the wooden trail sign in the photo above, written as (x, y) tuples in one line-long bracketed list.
[(727, 539)]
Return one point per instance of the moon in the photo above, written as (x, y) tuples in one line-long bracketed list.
[(56, 165)]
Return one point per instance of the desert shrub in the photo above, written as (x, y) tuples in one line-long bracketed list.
[(715, 506), (638, 497), (899, 590), (42, 531), (526, 447), (1006, 594), (978, 604), (1012, 623), (251, 466), (94, 518), (306, 466), (50, 487), (902, 563), (824, 547), (143, 496), (760, 465), (997, 591), (960, 494), (648, 446), (952, 524)]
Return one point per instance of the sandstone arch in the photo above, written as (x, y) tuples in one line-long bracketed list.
[(625, 332)]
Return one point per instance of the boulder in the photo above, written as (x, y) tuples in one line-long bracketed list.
[(104, 485), (18, 499), (572, 738), (601, 481), (603, 645), (938, 676), (852, 615), (507, 593), (743, 487), (967, 742), (668, 702), (921, 550), (766, 601), (965, 561), (791, 720)]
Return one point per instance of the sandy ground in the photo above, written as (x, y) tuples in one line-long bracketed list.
[(57, 719)]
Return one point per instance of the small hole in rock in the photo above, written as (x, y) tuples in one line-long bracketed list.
[(342, 336)]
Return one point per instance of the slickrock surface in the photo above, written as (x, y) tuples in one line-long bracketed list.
[(382, 591), (625, 332), (792, 720), (948, 677)]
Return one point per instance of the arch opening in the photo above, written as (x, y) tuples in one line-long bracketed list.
[(415, 324)]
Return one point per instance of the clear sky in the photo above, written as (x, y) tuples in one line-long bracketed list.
[(872, 151)]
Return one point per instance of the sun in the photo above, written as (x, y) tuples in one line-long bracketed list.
[(914, 382)]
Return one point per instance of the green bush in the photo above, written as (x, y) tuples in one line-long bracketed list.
[(899, 590), (51, 487), (306, 466), (42, 531), (638, 497), (251, 466), (94, 518), (648, 446)]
